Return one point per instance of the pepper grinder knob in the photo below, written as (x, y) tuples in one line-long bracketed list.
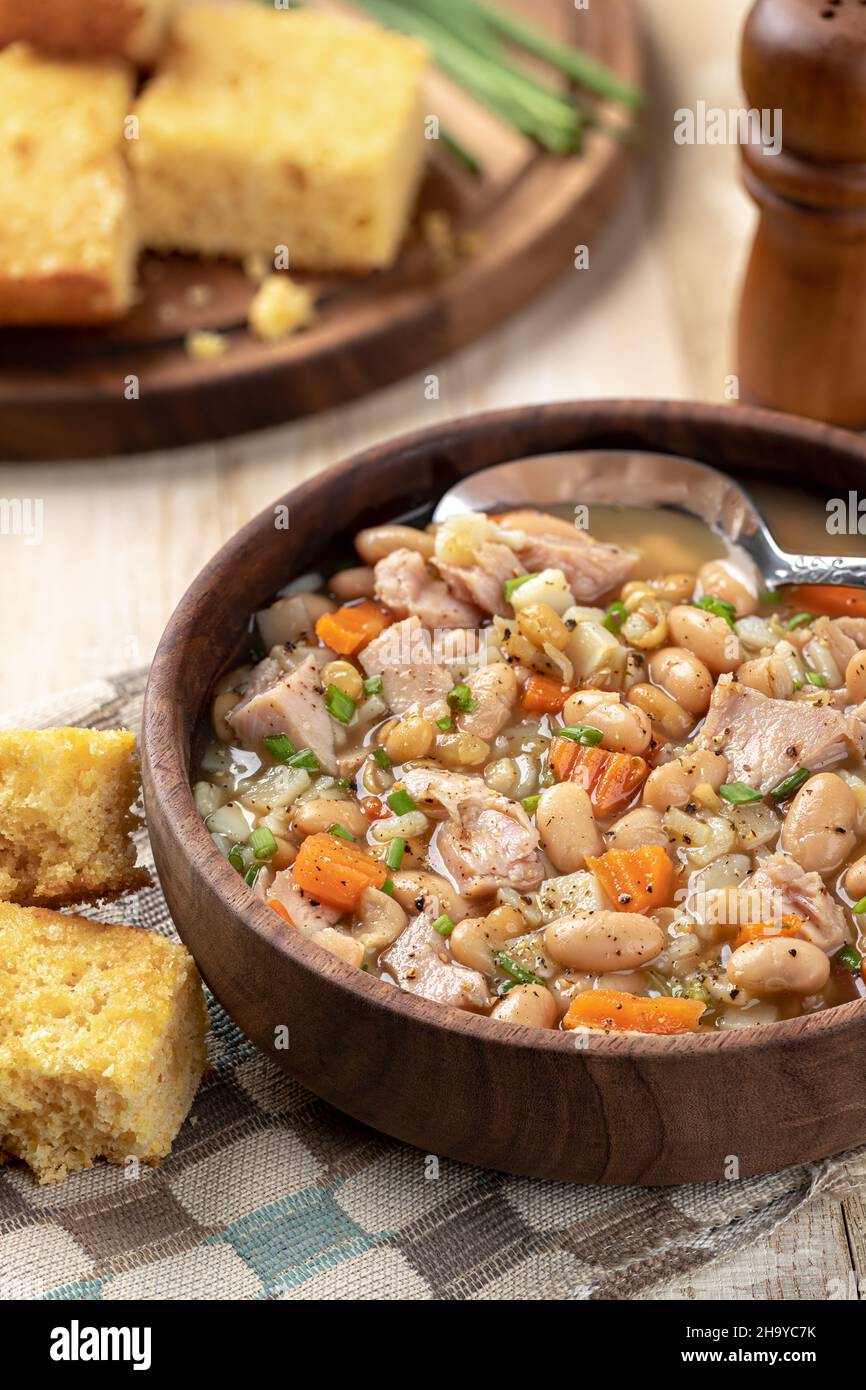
[(802, 321)]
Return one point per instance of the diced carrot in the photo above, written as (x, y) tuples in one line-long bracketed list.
[(629, 1013), (610, 778), (756, 931), (635, 880), (280, 910), (545, 696), (831, 600), (336, 872), (350, 628)]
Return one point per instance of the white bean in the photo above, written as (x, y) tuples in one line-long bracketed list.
[(320, 813), (711, 639), (640, 827), (855, 678), (567, 827), (819, 827), (414, 886), (855, 879), (625, 728), (382, 919), (683, 676), (355, 582), (474, 940), (717, 578), (532, 1005), (603, 941), (779, 965), (674, 783), (344, 947), (376, 542)]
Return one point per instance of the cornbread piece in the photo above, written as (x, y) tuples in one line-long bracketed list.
[(67, 244), (102, 1034), (65, 815), (266, 129), (92, 28)]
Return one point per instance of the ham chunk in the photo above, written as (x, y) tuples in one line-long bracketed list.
[(292, 705), (420, 963), (765, 740), (591, 567), (404, 656), (487, 842), (494, 690), (405, 584), (307, 914), (779, 887), (483, 584)]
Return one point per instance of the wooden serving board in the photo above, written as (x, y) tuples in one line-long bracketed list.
[(64, 393)]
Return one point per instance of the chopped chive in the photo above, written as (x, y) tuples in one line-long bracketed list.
[(388, 887), (237, 858), (373, 685), (849, 959), (279, 746), (798, 620), (401, 803), (380, 757), (718, 607), (262, 843), (815, 678), (529, 803), (460, 697), (581, 733), (305, 758), (252, 874), (444, 925), (445, 723), (517, 972), (739, 793), (859, 907), (511, 584), (615, 616), (340, 831), (344, 782), (790, 784), (396, 850), (769, 596), (339, 705)]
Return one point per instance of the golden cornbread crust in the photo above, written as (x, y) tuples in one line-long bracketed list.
[(67, 239), (266, 129), (66, 799), (93, 28), (102, 1041)]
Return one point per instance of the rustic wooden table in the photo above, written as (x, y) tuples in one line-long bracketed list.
[(651, 317)]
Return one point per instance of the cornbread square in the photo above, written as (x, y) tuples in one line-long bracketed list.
[(67, 242), (266, 129), (66, 798), (102, 1041), (92, 28)]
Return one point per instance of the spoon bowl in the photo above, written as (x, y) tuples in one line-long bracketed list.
[(623, 477)]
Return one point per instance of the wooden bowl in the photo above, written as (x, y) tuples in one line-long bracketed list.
[(547, 1104)]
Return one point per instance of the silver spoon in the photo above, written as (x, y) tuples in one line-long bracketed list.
[(620, 477)]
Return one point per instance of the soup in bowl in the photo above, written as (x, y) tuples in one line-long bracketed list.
[(570, 780)]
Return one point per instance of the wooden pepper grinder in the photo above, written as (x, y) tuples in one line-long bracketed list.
[(802, 323)]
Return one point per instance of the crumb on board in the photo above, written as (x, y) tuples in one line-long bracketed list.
[(205, 346), (279, 307)]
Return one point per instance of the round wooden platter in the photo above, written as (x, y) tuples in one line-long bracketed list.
[(514, 226)]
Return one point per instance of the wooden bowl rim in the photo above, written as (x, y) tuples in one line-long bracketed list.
[(170, 786)]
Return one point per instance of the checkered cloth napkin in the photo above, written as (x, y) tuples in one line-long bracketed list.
[(271, 1193)]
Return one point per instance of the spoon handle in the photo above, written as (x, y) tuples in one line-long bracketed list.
[(781, 567)]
